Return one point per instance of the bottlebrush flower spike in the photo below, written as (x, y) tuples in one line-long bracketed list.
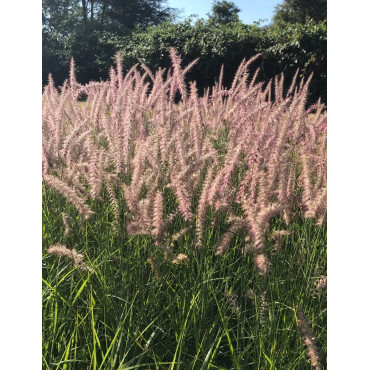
[(202, 207), (266, 155), (178, 82), (63, 251), (70, 194), (183, 198), (67, 223), (237, 226), (309, 340), (262, 263), (72, 74), (158, 215)]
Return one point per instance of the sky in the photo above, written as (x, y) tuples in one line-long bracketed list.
[(251, 10)]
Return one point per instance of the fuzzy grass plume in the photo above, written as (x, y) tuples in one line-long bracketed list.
[(178, 197), (233, 151), (309, 340), (71, 254)]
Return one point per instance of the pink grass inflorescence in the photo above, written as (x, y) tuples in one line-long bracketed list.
[(230, 147)]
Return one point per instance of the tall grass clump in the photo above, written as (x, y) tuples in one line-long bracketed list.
[(192, 194)]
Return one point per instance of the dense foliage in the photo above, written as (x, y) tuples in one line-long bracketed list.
[(300, 11), (93, 31), (82, 29), (181, 205), (283, 50), (224, 12)]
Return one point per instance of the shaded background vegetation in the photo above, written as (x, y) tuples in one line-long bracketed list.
[(92, 31)]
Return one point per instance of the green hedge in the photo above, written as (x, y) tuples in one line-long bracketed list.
[(299, 46), (283, 50)]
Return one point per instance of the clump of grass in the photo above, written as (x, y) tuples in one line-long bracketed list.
[(182, 213)]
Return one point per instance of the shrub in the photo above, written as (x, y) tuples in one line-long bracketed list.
[(283, 50)]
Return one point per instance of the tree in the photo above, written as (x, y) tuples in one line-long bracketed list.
[(300, 11), (86, 30), (224, 12), (131, 14)]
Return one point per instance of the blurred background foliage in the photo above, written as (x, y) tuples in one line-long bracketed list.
[(92, 31)]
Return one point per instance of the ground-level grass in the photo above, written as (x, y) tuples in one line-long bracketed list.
[(137, 310)]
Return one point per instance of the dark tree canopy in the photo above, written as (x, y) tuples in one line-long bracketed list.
[(127, 14), (224, 12), (300, 11), (131, 14), (87, 30)]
